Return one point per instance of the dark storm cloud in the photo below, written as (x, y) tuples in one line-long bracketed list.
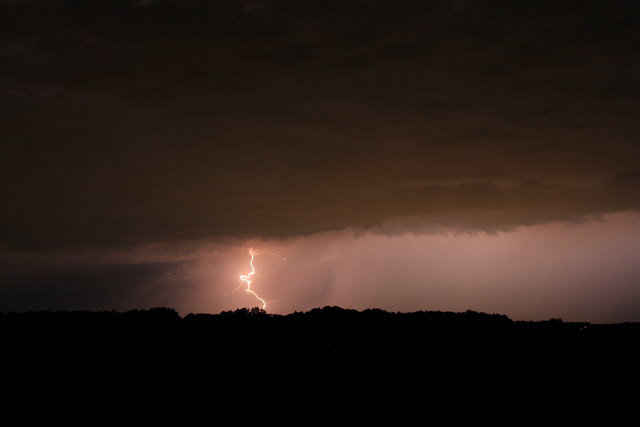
[(136, 121)]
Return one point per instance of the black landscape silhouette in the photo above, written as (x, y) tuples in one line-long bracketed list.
[(327, 366)]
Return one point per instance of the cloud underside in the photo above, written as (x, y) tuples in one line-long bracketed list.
[(421, 209), (242, 119)]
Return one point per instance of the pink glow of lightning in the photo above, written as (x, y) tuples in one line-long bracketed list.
[(246, 278)]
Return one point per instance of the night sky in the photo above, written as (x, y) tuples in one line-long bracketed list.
[(406, 155)]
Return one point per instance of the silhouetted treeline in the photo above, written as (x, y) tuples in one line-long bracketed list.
[(328, 366)]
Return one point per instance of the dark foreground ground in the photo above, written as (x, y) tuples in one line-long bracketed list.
[(324, 367)]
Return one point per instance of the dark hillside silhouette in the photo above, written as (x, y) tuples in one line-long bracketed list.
[(328, 366)]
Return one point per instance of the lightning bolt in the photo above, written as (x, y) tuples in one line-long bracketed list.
[(246, 278)]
